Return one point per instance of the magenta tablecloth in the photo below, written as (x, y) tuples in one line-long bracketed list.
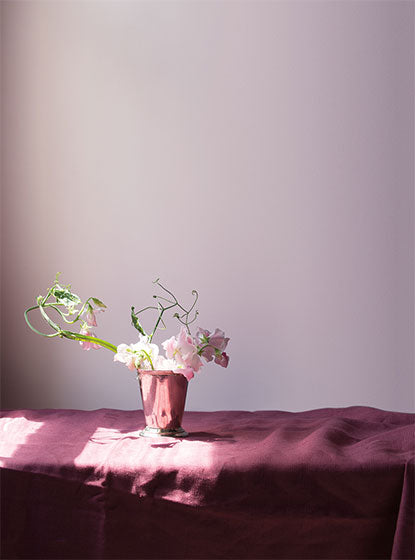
[(330, 483)]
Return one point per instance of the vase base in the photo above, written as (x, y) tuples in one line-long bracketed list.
[(162, 432)]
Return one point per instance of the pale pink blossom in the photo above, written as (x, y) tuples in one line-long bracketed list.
[(170, 346), (87, 344), (183, 350), (90, 316), (187, 372)]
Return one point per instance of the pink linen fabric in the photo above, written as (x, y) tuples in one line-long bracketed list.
[(328, 483)]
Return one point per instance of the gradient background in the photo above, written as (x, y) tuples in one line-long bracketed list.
[(260, 152)]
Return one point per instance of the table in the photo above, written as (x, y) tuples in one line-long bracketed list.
[(329, 483)]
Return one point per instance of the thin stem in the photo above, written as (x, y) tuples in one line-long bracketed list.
[(205, 346), (148, 358), (174, 303), (164, 299), (195, 293), (77, 336), (163, 309), (79, 313), (194, 318), (145, 309), (48, 319), (45, 299), (59, 332), (166, 290), (33, 328), (63, 315)]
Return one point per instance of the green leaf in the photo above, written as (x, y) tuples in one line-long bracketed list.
[(65, 297), (136, 323), (98, 302)]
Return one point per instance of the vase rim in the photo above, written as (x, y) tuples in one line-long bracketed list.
[(158, 371)]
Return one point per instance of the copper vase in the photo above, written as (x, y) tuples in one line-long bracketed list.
[(164, 395)]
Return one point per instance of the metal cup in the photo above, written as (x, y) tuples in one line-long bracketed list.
[(164, 395)]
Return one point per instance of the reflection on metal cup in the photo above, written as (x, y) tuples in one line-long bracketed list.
[(164, 395)]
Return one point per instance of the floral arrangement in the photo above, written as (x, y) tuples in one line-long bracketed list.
[(183, 352)]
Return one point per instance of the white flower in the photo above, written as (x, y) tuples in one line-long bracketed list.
[(125, 355), (169, 364), (165, 364), (141, 355)]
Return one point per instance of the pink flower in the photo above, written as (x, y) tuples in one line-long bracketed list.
[(170, 346), (202, 335), (187, 372), (208, 353), (183, 350), (218, 340), (202, 339), (87, 344), (212, 346), (90, 316), (222, 359)]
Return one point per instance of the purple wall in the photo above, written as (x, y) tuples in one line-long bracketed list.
[(260, 152)]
